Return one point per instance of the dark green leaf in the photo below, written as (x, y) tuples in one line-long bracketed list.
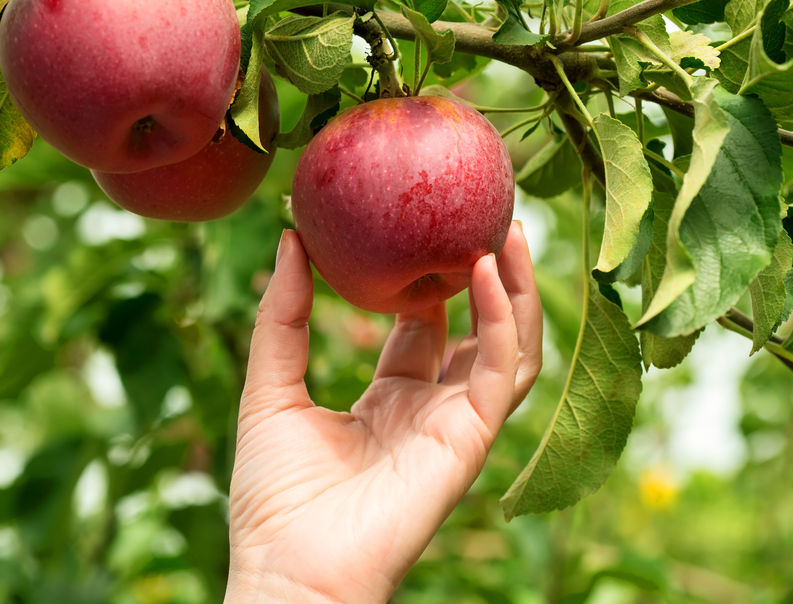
[(515, 33), (636, 255), (732, 225), (769, 75), (681, 127), (318, 110), (657, 350), (768, 293), (554, 169), (704, 11), (432, 9)]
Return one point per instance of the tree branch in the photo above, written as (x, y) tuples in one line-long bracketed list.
[(616, 23), (376, 37), (477, 39), (662, 96), (736, 321)]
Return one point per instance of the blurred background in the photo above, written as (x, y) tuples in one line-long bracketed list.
[(123, 345)]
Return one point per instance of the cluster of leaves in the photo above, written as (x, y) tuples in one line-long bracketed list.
[(694, 198)]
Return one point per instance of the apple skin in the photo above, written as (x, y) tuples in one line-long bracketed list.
[(395, 200), (211, 184), (121, 85)]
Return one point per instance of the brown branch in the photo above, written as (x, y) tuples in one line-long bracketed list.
[(583, 145), (662, 96), (745, 326), (477, 39), (614, 24)]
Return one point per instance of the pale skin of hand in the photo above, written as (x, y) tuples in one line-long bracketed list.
[(336, 507)]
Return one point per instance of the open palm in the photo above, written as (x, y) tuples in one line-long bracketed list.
[(329, 506)]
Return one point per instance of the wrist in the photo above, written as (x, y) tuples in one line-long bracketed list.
[(253, 580), (266, 587)]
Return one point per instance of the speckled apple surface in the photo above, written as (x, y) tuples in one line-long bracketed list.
[(121, 85), (395, 200)]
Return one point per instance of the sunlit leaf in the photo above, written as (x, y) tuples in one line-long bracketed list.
[(16, 135), (688, 45), (311, 51), (628, 190)]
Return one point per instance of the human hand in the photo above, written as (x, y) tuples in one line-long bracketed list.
[(336, 507)]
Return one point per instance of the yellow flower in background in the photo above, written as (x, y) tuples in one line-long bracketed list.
[(658, 487)]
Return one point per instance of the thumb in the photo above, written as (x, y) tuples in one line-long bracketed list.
[(279, 346)]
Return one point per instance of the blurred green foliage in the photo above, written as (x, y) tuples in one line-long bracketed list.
[(123, 345)]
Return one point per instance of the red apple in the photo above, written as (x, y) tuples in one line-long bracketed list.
[(395, 200), (212, 183), (121, 85)]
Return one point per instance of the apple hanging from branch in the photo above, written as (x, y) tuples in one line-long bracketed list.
[(121, 85), (212, 183), (395, 200)]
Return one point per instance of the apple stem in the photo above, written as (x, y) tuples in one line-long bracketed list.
[(376, 34)]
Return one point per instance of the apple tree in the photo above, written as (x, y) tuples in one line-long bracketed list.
[(668, 122), (694, 208)]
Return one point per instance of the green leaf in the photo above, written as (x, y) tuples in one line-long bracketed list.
[(628, 267), (591, 424), (733, 64), (513, 32), (259, 10), (630, 56), (440, 46), (769, 294), (662, 352), (710, 129), (740, 14), (704, 11), (16, 135), (680, 127), (263, 8), (768, 75), (628, 190), (318, 110), (311, 51), (551, 171), (432, 9), (245, 110), (731, 227)]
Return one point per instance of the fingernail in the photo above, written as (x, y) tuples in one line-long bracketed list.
[(281, 245), (519, 223)]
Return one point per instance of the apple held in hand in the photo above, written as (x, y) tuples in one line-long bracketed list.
[(396, 199), (121, 85), (212, 183)]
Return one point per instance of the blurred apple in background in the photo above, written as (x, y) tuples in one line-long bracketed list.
[(121, 85), (396, 199)]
